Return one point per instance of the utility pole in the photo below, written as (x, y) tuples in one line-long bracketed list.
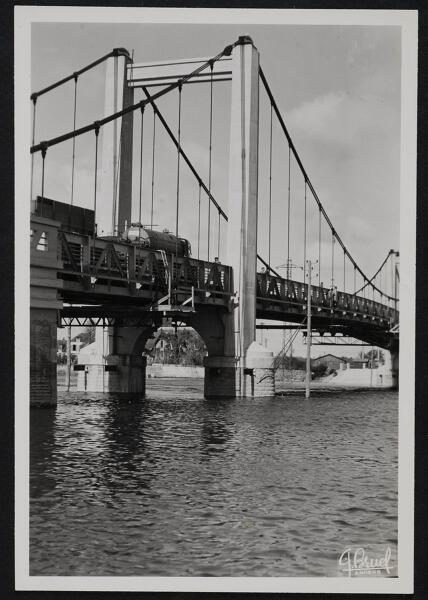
[(68, 372), (395, 279), (308, 334)]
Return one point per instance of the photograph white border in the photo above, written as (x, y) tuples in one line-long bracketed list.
[(408, 21)]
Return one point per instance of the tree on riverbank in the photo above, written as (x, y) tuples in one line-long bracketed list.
[(184, 347)]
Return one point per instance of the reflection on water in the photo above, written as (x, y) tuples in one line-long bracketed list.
[(178, 485)]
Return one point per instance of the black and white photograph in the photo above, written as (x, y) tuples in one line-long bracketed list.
[(213, 391)]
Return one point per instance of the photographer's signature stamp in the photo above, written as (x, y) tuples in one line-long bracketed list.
[(358, 563)]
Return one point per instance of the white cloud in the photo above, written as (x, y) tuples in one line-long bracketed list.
[(339, 118)]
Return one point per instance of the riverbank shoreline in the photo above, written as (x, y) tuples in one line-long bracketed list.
[(283, 385)]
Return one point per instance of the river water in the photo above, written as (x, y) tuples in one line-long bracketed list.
[(175, 485)]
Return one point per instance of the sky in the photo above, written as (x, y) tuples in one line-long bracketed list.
[(337, 87)]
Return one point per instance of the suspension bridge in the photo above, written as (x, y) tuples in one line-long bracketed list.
[(100, 265)]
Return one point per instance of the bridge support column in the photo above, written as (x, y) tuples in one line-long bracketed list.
[(395, 368), (242, 225), (114, 374), (43, 363), (116, 364), (224, 375), (259, 373), (220, 377), (116, 177), (44, 304)]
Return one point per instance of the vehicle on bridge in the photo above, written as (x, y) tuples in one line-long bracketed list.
[(156, 240), (76, 219)]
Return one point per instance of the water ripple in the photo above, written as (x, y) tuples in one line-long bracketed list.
[(177, 485)]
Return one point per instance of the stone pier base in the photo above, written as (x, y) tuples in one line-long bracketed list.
[(220, 377), (43, 357), (259, 374), (226, 378), (395, 368), (125, 373)]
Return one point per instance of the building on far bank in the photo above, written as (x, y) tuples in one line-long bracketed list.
[(334, 363), (75, 346), (331, 361)]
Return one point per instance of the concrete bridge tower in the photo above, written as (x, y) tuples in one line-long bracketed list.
[(247, 366), (115, 177)]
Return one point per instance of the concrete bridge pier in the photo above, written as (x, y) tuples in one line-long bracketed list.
[(114, 363), (43, 363), (395, 367), (44, 306), (226, 376)]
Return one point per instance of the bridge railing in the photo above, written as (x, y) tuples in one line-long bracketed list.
[(295, 293), (100, 261)]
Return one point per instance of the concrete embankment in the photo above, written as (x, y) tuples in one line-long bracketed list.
[(379, 378), (157, 370), (345, 378)]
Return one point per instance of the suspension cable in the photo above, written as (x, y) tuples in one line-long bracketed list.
[(218, 237), (288, 212), (97, 131), (115, 157), (319, 247), (332, 258), (114, 52), (304, 244), (210, 158), (153, 166), (270, 183), (199, 218), (44, 150), (141, 173), (32, 143), (225, 52), (344, 272), (178, 179), (116, 190), (370, 281), (268, 267), (74, 139), (183, 154), (302, 168), (91, 127)]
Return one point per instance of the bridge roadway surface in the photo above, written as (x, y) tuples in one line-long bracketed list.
[(123, 284)]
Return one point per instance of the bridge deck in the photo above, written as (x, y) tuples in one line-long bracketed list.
[(112, 274)]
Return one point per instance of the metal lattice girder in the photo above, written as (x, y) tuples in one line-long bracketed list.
[(129, 278), (327, 340), (87, 321), (97, 261)]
